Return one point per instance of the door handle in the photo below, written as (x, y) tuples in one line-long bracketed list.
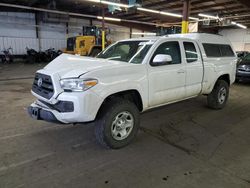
[(180, 71)]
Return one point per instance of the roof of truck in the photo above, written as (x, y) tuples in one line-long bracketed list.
[(202, 37)]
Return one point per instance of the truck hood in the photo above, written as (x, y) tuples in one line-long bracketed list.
[(68, 66)]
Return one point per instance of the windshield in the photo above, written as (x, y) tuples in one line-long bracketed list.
[(246, 58), (127, 51), (241, 54)]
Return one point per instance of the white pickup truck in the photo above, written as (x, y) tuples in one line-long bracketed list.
[(132, 76)]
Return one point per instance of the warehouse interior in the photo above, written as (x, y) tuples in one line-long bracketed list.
[(184, 144)]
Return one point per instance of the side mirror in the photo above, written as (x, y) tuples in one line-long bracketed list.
[(161, 59)]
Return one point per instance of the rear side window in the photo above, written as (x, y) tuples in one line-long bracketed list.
[(212, 50), (226, 51), (190, 51), (218, 50)]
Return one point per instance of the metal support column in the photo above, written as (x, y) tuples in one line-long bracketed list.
[(67, 29), (38, 31), (103, 30), (185, 15)]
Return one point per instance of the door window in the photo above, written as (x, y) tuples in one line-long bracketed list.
[(190, 51), (82, 44), (169, 48)]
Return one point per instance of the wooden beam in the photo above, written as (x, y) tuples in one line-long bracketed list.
[(245, 3)]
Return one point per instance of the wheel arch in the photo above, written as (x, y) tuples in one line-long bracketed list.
[(132, 95), (225, 77)]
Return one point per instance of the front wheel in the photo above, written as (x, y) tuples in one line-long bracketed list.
[(117, 123), (217, 99)]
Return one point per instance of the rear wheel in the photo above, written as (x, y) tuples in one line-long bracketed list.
[(217, 99), (117, 123)]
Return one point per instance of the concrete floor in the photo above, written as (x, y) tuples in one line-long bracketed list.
[(180, 145)]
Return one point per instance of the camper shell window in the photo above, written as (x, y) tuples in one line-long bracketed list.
[(218, 50)]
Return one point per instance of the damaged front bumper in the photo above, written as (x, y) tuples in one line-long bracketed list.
[(40, 111)]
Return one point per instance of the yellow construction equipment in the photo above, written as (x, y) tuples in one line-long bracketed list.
[(89, 44)]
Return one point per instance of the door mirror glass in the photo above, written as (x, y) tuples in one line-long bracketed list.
[(162, 59)]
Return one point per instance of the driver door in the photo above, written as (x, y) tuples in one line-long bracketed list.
[(167, 81)]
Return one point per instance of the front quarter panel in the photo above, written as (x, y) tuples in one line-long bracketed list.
[(117, 79)]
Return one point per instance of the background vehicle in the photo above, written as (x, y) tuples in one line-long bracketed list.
[(132, 76), (51, 54), (241, 54), (243, 69), (48, 55), (87, 45), (7, 56), (32, 55)]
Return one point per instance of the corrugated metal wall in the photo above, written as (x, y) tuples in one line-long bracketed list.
[(15, 24), (238, 37), (116, 32), (75, 26), (18, 31), (18, 44), (52, 43)]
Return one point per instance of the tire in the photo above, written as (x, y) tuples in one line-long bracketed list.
[(237, 80), (3, 60), (11, 59), (105, 123), (215, 99)]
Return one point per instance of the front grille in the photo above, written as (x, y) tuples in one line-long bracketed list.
[(45, 87), (245, 70)]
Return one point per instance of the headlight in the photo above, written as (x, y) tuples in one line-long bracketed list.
[(77, 84)]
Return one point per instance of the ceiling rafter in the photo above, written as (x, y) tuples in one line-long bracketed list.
[(223, 8)]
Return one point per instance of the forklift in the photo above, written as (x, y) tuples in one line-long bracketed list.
[(88, 44)]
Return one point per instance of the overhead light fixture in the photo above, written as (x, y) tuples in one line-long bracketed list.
[(109, 19), (164, 13), (148, 10), (242, 26), (111, 3), (239, 25), (137, 33), (159, 12), (171, 14), (193, 18), (116, 4), (95, 1), (208, 16)]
